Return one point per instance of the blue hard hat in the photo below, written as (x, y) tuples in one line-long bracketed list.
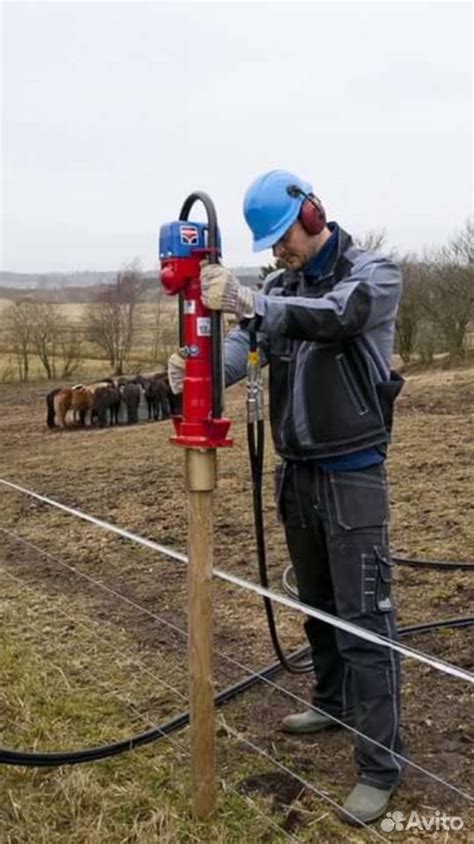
[(269, 209)]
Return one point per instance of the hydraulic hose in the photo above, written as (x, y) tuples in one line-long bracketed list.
[(256, 447), (440, 565), (256, 463), (75, 757), (36, 759)]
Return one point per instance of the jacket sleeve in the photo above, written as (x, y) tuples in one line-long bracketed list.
[(365, 299), (236, 347)]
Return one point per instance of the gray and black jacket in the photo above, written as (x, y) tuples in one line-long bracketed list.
[(329, 344)]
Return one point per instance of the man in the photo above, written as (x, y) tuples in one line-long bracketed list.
[(326, 327)]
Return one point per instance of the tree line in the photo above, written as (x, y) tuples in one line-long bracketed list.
[(436, 316), (109, 328)]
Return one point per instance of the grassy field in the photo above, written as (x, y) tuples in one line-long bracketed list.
[(81, 664)]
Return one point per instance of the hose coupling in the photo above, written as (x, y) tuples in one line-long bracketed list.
[(255, 405)]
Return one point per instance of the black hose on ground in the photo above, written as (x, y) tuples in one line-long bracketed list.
[(93, 754), (441, 565), (75, 757)]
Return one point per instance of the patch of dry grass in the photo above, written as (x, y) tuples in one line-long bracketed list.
[(69, 682)]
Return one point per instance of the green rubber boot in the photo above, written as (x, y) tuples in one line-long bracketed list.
[(365, 804), (307, 722)]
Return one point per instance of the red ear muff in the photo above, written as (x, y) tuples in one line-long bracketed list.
[(312, 215)]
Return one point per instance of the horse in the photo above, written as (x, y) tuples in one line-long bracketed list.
[(156, 395), (131, 395), (79, 400), (106, 398), (50, 414)]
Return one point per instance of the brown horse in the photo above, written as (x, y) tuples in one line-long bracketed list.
[(78, 399)]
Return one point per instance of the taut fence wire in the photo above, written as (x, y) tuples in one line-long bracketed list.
[(233, 661), (229, 731), (277, 597)]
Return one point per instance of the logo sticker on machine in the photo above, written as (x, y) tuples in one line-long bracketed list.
[(204, 326), (189, 306), (188, 235)]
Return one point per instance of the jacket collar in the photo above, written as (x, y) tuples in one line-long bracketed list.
[(334, 263), (334, 269)]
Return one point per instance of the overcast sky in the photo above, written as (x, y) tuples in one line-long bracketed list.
[(114, 112)]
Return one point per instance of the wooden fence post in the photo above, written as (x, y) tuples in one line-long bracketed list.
[(200, 483)]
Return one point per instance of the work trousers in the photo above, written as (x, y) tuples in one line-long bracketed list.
[(337, 536)]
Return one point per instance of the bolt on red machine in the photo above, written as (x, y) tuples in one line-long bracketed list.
[(183, 246)]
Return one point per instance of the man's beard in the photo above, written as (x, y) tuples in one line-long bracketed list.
[(293, 262)]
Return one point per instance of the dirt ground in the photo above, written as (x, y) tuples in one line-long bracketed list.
[(133, 477)]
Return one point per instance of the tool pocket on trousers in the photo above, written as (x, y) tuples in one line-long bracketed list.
[(383, 590), (359, 498), (376, 581)]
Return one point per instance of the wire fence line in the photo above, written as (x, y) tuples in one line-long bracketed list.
[(239, 664), (150, 724), (230, 731), (291, 603)]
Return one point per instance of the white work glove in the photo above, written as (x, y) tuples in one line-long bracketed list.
[(222, 291), (176, 372)]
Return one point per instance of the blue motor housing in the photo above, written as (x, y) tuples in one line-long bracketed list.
[(180, 238)]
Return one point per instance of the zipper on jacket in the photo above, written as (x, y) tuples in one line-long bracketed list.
[(350, 384), (288, 428)]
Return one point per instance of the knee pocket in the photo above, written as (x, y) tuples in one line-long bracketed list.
[(372, 683)]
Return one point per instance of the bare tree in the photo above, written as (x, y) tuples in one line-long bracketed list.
[(461, 246), (18, 324), (449, 291), (427, 341), (410, 310), (157, 325), (165, 329), (69, 347), (46, 334), (110, 322)]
